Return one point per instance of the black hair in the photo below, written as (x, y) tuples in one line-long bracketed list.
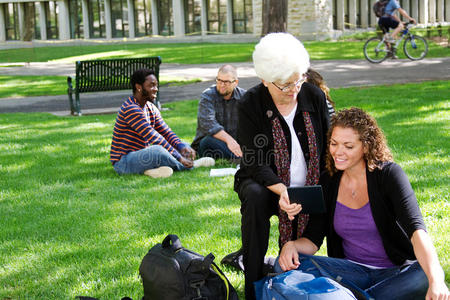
[(139, 77)]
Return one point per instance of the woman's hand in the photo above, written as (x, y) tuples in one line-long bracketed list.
[(288, 259), (437, 290), (291, 209), (428, 260)]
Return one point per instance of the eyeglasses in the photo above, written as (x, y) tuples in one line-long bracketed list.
[(225, 82), (287, 88)]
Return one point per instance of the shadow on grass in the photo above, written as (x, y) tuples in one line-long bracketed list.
[(71, 226)]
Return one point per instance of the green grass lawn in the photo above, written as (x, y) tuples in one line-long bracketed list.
[(193, 53), (70, 226), (28, 86)]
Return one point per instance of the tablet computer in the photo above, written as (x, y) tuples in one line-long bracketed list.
[(310, 197)]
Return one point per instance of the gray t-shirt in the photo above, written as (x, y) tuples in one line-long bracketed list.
[(216, 114)]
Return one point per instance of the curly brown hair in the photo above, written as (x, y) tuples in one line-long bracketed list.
[(369, 133)]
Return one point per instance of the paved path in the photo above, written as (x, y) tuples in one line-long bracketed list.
[(337, 74)]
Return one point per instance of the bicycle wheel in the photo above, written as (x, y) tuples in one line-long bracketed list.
[(415, 47), (375, 50)]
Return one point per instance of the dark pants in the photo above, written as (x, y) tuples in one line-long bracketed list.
[(258, 204), (215, 148)]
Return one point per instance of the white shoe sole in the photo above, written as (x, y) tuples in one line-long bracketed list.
[(204, 162), (161, 172)]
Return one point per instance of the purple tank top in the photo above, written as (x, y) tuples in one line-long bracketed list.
[(360, 237)]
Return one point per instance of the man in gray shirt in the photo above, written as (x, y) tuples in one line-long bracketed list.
[(217, 117)]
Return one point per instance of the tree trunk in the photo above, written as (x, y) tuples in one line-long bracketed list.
[(274, 16), (29, 21)]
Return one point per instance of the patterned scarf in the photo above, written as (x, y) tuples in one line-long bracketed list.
[(283, 171)]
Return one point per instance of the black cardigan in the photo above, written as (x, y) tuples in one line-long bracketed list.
[(394, 209), (256, 111)]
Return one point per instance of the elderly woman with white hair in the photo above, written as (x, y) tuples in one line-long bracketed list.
[(282, 130)]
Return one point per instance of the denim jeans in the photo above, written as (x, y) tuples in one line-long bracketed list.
[(137, 162), (215, 148), (409, 282)]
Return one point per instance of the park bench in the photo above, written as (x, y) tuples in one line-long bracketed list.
[(106, 75)]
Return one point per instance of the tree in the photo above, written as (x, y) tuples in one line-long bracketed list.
[(28, 33), (274, 16)]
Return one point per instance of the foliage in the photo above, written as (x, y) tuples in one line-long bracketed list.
[(70, 226)]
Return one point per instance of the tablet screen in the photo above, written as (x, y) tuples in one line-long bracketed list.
[(310, 197)]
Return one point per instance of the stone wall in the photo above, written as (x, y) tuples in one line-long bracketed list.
[(310, 19), (307, 19), (257, 17)]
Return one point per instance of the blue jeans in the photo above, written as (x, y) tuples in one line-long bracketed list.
[(215, 148), (408, 282), (155, 156)]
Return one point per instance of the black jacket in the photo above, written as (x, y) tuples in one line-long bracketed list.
[(394, 209), (255, 111)]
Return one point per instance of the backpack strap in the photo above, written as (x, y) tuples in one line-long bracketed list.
[(208, 260), (172, 241), (223, 277), (197, 284)]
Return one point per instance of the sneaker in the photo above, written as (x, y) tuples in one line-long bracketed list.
[(235, 260), (388, 38), (204, 162), (161, 172)]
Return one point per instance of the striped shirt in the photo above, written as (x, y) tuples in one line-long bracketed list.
[(137, 128)]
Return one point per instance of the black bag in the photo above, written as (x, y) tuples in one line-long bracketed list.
[(379, 6), (171, 272)]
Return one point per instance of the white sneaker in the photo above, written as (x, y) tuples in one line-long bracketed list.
[(204, 162), (388, 38), (161, 172)]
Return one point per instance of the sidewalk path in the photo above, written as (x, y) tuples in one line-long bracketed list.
[(337, 74)]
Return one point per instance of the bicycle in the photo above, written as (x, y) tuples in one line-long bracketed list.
[(377, 49)]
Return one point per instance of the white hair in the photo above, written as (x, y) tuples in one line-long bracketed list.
[(278, 56)]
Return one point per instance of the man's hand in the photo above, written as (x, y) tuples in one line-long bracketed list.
[(291, 209), (288, 259), (188, 153), (186, 162), (234, 147), (413, 20)]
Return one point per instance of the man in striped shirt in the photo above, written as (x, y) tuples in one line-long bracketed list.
[(142, 142)]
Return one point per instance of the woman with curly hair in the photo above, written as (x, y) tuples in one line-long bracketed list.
[(376, 238)]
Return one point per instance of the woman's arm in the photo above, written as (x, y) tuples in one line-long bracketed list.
[(428, 260), (288, 259), (255, 140)]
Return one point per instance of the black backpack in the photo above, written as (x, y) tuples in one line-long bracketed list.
[(379, 7), (171, 272)]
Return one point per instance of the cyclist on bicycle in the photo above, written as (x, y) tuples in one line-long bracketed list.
[(391, 20)]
